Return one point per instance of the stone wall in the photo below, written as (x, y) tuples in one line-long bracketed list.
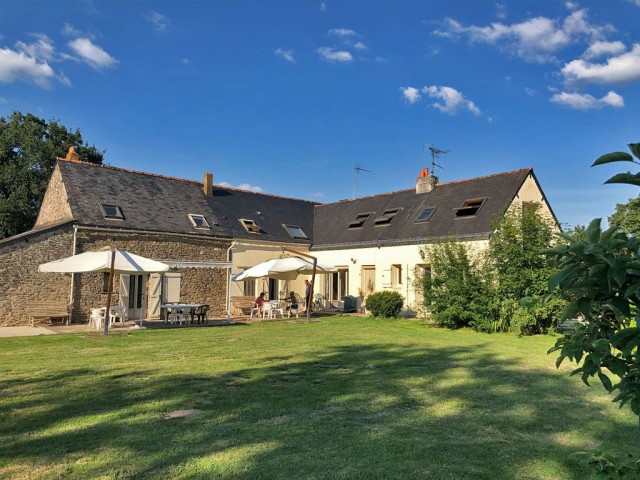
[(198, 285), (55, 204), (20, 281)]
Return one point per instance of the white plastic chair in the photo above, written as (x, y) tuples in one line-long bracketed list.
[(276, 309), (97, 317), (118, 314), (254, 309)]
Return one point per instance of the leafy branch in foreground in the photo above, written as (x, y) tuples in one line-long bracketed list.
[(600, 278)]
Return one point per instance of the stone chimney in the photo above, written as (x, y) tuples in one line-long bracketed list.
[(425, 182), (208, 184), (72, 155)]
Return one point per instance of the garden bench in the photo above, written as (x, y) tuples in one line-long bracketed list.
[(243, 303), (51, 310)]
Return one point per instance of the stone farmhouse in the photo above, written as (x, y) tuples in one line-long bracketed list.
[(207, 232)]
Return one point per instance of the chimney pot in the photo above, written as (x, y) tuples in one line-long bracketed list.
[(425, 182), (208, 184)]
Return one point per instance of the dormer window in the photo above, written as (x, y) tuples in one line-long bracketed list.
[(470, 207), (250, 226), (295, 232), (425, 214), (112, 212), (386, 217), (360, 220), (198, 221)]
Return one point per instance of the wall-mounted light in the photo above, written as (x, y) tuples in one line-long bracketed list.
[(353, 260)]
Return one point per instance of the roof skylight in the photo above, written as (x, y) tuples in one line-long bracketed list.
[(360, 220), (295, 232), (111, 212), (387, 216), (250, 226), (199, 221), (470, 207), (425, 215)]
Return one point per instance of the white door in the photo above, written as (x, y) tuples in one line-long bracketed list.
[(155, 295), (133, 294)]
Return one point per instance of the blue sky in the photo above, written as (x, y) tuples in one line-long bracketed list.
[(289, 97)]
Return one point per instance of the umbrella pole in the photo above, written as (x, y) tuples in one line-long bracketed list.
[(313, 277), (313, 282), (106, 312)]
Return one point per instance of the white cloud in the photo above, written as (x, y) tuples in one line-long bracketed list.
[(333, 55), (381, 60), (571, 5), (602, 48), (534, 40), (92, 54), (501, 11), (243, 186), (42, 49), (70, 31), (530, 91), (452, 100), (410, 94), (343, 32), (618, 69), (359, 46), (323, 7), (16, 66), (185, 61), (160, 22), (584, 101), (286, 54)]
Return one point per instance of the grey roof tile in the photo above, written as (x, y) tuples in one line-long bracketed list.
[(332, 220), (156, 203)]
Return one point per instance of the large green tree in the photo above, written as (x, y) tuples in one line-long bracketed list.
[(29, 146), (627, 216)]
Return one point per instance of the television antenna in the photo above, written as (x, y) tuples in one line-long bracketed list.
[(356, 171), (435, 153)]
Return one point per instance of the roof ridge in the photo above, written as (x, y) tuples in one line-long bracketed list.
[(510, 172), (167, 177)]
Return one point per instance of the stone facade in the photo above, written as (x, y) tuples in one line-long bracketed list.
[(55, 205), (21, 281), (20, 257)]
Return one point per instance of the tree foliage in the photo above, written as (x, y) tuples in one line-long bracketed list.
[(627, 216), (28, 149), (457, 292), (601, 280), (521, 268)]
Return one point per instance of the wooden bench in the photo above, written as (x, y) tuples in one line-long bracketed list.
[(243, 303), (52, 309)]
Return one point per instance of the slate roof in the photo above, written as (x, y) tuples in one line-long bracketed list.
[(331, 229), (162, 204)]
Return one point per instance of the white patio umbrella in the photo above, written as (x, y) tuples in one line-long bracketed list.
[(282, 269), (286, 269), (105, 260)]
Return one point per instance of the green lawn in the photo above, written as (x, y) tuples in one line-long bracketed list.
[(342, 398)]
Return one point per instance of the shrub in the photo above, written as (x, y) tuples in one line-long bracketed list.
[(457, 294), (385, 304)]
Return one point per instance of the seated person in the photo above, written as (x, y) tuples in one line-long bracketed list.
[(260, 302), (293, 308)]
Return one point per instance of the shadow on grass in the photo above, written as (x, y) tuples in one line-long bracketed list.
[(376, 411)]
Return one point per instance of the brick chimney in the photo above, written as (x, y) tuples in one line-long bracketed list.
[(207, 187), (425, 182)]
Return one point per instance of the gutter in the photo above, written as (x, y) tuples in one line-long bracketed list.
[(408, 241), (149, 232)]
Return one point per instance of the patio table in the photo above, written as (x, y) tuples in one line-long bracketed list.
[(171, 308)]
